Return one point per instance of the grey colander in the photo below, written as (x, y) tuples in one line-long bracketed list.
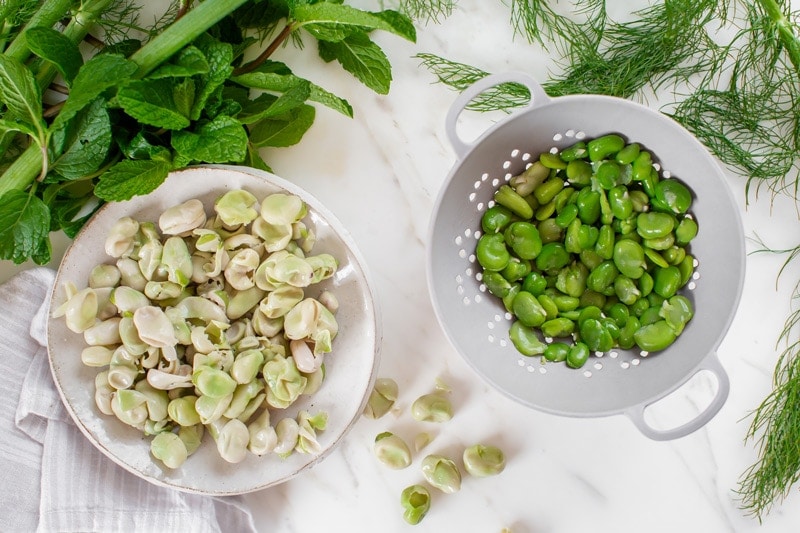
[(621, 381)]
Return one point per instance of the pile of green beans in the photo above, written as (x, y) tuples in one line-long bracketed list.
[(589, 248)]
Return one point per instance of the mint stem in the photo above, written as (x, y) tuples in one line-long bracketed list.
[(268, 51)]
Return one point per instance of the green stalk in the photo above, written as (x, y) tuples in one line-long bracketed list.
[(790, 41), (182, 32), (51, 12)]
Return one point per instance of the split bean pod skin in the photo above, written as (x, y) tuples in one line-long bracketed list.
[(588, 248)]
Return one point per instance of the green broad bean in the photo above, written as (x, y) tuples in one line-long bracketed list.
[(626, 228), (548, 190), (442, 473), (640, 200), (654, 337), (667, 281), (677, 312), (587, 237), (491, 252), (528, 309), (646, 284), (549, 231), (620, 313), (674, 194), (588, 202), (534, 283), (533, 176), (416, 502), (508, 299), (686, 231), (483, 460), (525, 339), (556, 351), (516, 269), (656, 258), (595, 335), (568, 214), (655, 300), (651, 315), (652, 225), (602, 277), (589, 312), (626, 339), (627, 155), (606, 215), (510, 199), (620, 201), (674, 254), (629, 259), (607, 174), (649, 185), (590, 258), (641, 166), (565, 197), (496, 218), (572, 240), (565, 303), (590, 297), (558, 327), (575, 152), (571, 280), (579, 172), (524, 239), (545, 211), (686, 268), (660, 243), (578, 355), (626, 290), (602, 147), (496, 283), (552, 161), (612, 328), (604, 246), (550, 307), (639, 307), (552, 257)]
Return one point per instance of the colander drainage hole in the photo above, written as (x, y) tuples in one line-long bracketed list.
[(459, 240), (587, 374), (506, 164), (570, 133), (557, 137), (514, 152)]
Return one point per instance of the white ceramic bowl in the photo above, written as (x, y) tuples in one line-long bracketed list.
[(350, 368)]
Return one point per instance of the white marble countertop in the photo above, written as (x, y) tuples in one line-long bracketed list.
[(379, 173)]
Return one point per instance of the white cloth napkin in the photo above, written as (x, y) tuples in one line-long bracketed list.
[(53, 478)]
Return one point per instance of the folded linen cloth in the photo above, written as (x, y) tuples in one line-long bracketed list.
[(54, 479)]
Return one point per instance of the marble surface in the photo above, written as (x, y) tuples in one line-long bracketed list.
[(380, 173)]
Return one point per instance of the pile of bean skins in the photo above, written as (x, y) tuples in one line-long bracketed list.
[(588, 249)]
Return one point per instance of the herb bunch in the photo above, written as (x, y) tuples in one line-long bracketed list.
[(732, 69), (137, 108)]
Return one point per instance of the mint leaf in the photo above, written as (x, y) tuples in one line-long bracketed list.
[(254, 159), (270, 77), (189, 62), (83, 144), (333, 22), (151, 102), (362, 58), (24, 227), (223, 140), (283, 131), (267, 105), (20, 93), (219, 56), (57, 48), (95, 76), (183, 96), (130, 178), (16, 126)]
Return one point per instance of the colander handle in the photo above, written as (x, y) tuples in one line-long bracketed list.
[(538, 97), (710, 363)]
